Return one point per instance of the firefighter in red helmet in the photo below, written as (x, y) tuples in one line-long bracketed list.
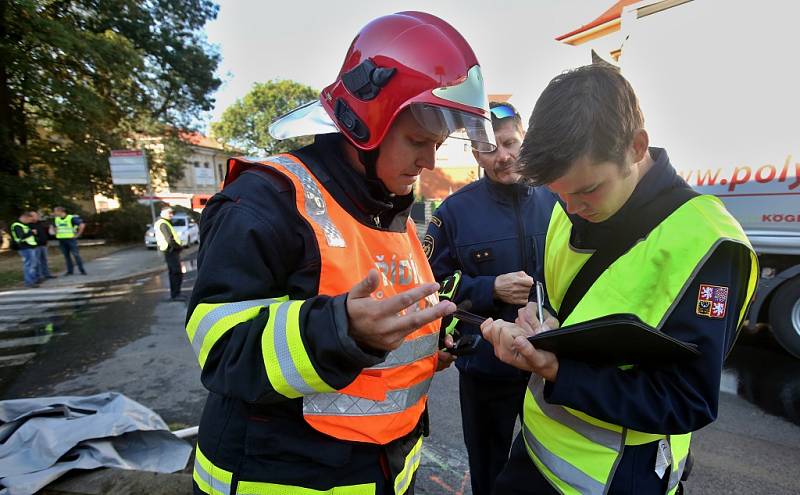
[(315, 316)]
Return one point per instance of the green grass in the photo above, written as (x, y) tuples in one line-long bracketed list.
[(11, 262)]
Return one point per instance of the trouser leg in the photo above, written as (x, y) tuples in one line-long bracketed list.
[(77, 254), (63, 244), (30, 269), (489, 410), (173, 260), (520, 475), (44, 269)]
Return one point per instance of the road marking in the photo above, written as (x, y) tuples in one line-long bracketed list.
[(16, 359), (24, 341)]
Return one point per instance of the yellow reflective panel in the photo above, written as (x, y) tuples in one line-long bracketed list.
[(258, 488), (403, 480)]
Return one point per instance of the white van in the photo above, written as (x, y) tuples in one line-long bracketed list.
[(184, 225)]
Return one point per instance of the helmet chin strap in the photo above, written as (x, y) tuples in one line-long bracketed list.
[(376, 186)]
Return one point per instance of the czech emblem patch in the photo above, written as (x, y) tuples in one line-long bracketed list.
[(712, 301), (427, 245)]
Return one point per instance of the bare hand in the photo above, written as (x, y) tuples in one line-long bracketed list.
[(377, 324), (511, 346), (444, 358), (513, 288), (528, 319)]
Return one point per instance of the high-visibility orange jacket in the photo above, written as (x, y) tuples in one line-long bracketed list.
[(294, 402)]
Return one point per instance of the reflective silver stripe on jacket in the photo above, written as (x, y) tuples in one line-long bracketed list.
[(281, 343), (316, 209), (596, 434), (216, 314), (336, 404), (675, 476), (561, 468), (406, 475), (217, 486), (410, 351)]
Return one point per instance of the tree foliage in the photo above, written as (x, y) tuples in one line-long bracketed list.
[(81, 77), (244, 125)]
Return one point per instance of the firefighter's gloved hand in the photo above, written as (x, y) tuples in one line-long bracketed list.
[(449, 286), (447, 292)]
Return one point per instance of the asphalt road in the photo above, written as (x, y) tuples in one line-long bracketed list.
[(131, 340)]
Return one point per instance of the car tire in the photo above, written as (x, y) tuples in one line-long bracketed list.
[(784, 316)]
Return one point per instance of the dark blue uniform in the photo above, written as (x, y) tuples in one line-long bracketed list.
[(672, 399), (488, 229)]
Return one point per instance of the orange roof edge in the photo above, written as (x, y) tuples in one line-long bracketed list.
[(199, 139), (613, 12)]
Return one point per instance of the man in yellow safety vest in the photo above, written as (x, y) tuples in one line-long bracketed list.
[(169, 243), (67, 229), (690, 273)]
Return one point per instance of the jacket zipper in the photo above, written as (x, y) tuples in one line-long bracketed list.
[(520, 233)]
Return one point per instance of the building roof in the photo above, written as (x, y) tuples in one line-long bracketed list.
[(612, 14), (198, 139), (499, 97)]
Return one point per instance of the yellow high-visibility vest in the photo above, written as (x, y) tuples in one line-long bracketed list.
[(161, 240), (576, 452)]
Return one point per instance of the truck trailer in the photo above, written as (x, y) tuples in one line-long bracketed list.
[(719, 85)]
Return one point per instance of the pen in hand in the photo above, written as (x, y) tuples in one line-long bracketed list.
[(539, 302)]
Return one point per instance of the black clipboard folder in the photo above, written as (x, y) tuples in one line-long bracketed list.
[(614, 340)]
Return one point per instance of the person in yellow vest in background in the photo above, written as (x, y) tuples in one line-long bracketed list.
[(315, 316), (169, 243), (23, 239), (690, 273), (67, 229)]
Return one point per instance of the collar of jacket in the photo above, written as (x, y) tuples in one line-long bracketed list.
[(352, 189), (661, 176), (505, 193)]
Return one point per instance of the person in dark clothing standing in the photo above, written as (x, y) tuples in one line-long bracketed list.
[(24, 239), (169, 243), (493, 231), (42, 237), (603, 429)]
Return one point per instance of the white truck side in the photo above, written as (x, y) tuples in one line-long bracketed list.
[(719, 84)]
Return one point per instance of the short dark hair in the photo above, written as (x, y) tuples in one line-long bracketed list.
[(589, 111), (497, 121)]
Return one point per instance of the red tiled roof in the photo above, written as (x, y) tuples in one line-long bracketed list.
[(500, 97), (199, 139), (612, 13)]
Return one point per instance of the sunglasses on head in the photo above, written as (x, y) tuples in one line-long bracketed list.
[(503, 112)]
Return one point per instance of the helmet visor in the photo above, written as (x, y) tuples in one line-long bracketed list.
[(444, 121), (306, 120)]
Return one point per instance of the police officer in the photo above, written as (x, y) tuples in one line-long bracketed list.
[(24, 239), (594, 429), (493, 231), (314, 316), (169, 243), (67, 229)]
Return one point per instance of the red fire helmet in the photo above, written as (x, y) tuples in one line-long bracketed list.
[(406, 60)]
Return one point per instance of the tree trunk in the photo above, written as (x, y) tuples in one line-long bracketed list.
[(8, 148)]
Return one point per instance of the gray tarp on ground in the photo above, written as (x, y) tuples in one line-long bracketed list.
[(42, 438)]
